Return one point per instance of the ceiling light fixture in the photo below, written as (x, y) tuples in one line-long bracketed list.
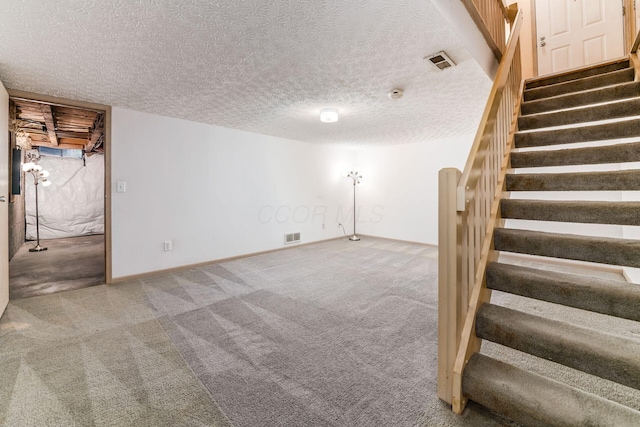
[(329, 115)]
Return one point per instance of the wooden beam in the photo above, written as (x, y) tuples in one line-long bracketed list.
[(70, 146), (61, 145), (39, 139), (49, 123), (74, 141), (32, 131), (98, 131), (70, 134)]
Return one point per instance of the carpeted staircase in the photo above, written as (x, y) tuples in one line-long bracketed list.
[(595, 104)]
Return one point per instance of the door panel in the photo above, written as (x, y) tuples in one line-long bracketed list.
[(594, 50), (561, 57), (592, 12), (575, 33), (559, 18), (4, 192)]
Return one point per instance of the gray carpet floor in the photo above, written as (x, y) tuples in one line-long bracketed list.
[(95, 357), (69, 263), (333, 334)]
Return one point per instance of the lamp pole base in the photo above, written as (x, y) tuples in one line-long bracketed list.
[(354, 238), (37, 248)]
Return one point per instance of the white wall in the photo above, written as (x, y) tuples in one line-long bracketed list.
[(398, 197), (216, 192)]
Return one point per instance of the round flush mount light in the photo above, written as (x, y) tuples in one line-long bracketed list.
[(328, 115)]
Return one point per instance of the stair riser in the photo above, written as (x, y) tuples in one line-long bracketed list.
[(609, 297), (607, 94), (618, 213), (619, 153), (581, 248), (620, 65), (615, 77), (623, 129), (583, 115), (596, 181), (603, 355), (532, 400)]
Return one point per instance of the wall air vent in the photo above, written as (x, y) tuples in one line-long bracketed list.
[(291, 238), (440, 60)]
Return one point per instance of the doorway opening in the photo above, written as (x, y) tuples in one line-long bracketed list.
[(70, 217)]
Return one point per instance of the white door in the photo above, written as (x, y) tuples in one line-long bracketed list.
[(574, 33), (4, 198)]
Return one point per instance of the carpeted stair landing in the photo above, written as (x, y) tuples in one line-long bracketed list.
[(598, 107)]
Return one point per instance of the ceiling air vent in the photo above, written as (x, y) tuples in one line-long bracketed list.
[(440, 60), (291, 238)]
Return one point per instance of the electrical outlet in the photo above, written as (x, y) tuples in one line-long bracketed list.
[(168, 245)]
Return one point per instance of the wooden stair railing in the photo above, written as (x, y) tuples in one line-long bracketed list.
[(468, 212), (490, 17)]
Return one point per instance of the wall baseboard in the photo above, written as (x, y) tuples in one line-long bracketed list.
[(398, 240), (202, 264), (121, 279)]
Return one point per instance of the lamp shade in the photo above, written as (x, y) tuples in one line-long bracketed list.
[(328, 115), (28, 166)]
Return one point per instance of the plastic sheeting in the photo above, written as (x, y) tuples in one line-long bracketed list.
[(73, 205)]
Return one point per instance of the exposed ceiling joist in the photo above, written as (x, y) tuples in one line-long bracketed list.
[(49, 123), (71, 134), (98, 131), (56, 126)]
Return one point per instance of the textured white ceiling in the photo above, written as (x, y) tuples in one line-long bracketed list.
[(265, 66)]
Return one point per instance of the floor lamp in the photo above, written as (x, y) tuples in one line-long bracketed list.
[(39, 176), (356, 177)]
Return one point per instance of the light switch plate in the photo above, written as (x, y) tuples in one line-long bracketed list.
[(121, 187)]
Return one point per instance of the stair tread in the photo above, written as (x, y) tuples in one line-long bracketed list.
[(605, 296), (532, 399), (625, 180), (616, 153), (578, 73), (603, 250), (600, 80), (582, 98), (584, 133), (598, 353), (588, 212), (590, 113)]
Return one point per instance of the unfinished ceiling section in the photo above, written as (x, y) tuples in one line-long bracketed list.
[(57, 126)]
